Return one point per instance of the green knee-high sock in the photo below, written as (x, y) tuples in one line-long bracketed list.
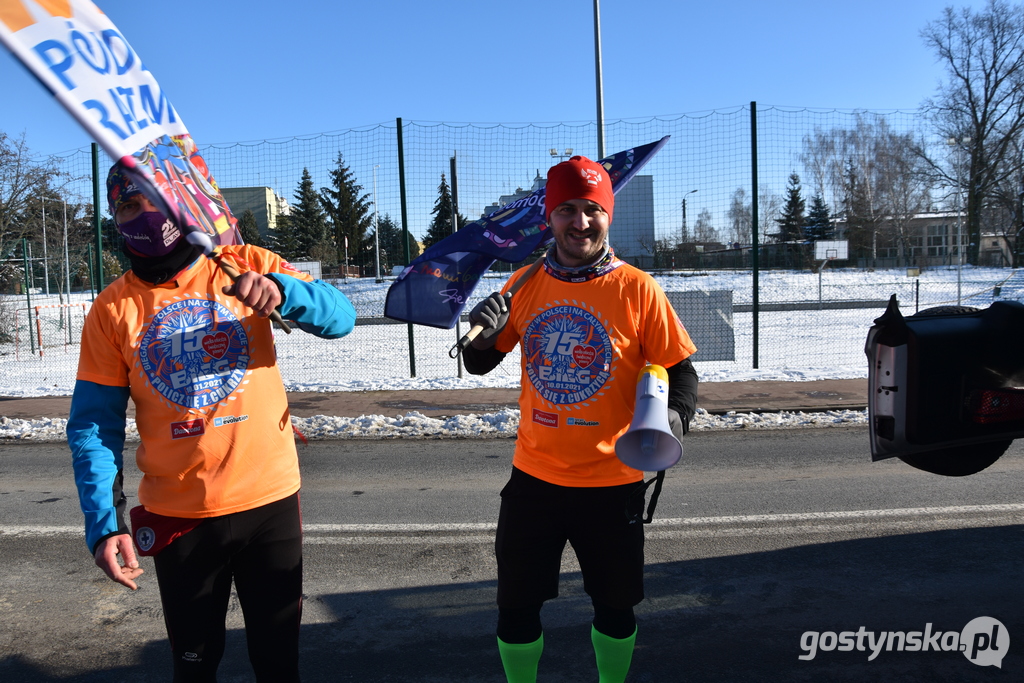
[(613, 655), (520, 659)]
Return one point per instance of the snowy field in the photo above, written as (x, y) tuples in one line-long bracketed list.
[(793, 345)]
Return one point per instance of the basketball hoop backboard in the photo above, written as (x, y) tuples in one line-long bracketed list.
[(831, 250)]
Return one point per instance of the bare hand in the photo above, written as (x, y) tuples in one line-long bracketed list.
[(257, 292), (106, 559)]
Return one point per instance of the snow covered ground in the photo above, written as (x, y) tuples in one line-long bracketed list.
[(793, 345)]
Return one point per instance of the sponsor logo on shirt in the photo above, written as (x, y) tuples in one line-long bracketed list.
[(184, 430), (577, 422), (546, 419), (568, 354), (229, 420)]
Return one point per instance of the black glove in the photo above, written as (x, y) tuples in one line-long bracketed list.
[(675, 423), (492, 314)]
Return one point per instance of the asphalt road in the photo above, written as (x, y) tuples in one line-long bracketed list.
[(760, 540)]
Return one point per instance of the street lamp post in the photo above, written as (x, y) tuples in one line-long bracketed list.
[(683, 234), (561, 157), (959, 142)]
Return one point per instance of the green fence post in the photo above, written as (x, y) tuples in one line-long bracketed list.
[(28, 294), (755, 247), (405, 237), (97, 220)]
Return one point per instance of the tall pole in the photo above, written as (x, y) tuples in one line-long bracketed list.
[(959, 221), (600, 92), (67, 265), (97, 219), (46, 268), (454, 197), (754, 247), (405, 237), (376, 227)]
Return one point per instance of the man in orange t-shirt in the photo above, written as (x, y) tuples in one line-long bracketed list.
[(220, 474), (586, 324)]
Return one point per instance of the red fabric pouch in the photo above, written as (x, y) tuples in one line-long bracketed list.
[(152, 532)]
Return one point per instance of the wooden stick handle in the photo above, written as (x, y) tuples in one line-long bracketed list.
[(475, 331), (233, 273)]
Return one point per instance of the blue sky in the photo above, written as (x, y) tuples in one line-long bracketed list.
[(239, 71)]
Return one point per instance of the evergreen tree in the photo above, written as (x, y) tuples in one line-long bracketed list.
[(860, 221), (307, 219), (348, 212), (791, 222), (391, 252), (249, 230), (818, 225), (284, 242), (441, 225)]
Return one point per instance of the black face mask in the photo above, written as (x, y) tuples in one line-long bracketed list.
[(159, 269)]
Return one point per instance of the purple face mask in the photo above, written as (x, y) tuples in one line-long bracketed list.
[(150, 234)]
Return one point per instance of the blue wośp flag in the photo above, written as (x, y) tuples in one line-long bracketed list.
[(434, 288)]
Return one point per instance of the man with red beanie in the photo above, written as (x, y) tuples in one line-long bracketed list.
[(587, 323)]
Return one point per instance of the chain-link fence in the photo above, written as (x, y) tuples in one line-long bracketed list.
[(692, 217)]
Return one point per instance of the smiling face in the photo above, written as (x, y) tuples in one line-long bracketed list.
[(580, 228)]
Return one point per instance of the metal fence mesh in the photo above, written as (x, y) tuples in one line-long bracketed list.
[(694, 183)]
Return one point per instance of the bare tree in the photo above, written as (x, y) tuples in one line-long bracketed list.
[(21, 179), (1007, 207), (703, 229), (769, 206), (876, 174), (980, 108), (902, 179), (740, 218)]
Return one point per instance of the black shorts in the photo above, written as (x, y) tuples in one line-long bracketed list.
[(536, 520)]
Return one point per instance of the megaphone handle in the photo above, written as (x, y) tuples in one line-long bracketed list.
[(467, 338)]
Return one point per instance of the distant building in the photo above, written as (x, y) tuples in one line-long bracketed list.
[(506, 199), (931, 240), (632, 231), (264, 203)]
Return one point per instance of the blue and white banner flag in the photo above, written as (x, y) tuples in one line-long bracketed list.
[(434, 288), (78, 54)]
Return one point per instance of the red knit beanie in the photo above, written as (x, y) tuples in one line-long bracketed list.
[(578, 178)]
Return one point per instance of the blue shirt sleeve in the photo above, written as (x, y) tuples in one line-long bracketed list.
[(95, 432), (316, 307)]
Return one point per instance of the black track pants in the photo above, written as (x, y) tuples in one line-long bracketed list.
[(261, 550)]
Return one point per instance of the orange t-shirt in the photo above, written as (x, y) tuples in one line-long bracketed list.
[(583, 346), (210, 404)]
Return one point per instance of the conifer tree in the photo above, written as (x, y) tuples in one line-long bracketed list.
[(791, 222), (348, 211), (441, 225), (391, 252), (818, 225), (307, 220), (284, 241), (249, 230)]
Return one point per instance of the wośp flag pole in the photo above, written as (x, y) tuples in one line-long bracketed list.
[(434, 288), (87, 64)]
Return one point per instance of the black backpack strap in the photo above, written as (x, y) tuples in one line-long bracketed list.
[(640, 490)]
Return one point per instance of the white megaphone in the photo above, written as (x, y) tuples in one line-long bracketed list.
[(649, 444)]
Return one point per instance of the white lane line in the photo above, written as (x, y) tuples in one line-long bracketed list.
[(835, 516)]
